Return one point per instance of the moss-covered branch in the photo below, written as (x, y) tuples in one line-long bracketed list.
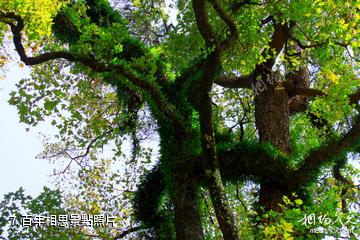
[(16, 24), (327, 153)]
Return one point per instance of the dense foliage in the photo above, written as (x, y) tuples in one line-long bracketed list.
[(249, 108)]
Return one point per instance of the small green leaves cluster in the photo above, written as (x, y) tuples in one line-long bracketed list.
[(48, 202), (38, 15)]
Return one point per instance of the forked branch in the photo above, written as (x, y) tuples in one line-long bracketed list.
[(16, 24), (325, 154)]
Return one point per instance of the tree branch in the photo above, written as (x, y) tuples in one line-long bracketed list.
[(90, 145), (301, 106), (188, 73), (317, 158), (355, 97), (303, 91), (205, 29), (277, 42), (89, 61), (202, 22), (229, 22), (127, 232), (315, 45), (301, 45), (202, 103), (235, 6), (234, 82), (251, 160)]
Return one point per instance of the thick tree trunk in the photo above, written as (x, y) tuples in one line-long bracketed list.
[(272, 122), (179, 171), (186, 209), (272, 113), (270, 195)]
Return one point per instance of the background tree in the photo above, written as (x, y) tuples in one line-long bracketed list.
[(18, 206), (260, 91)]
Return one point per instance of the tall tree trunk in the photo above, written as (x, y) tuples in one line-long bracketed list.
[(186, 209), (272, 113), (184, 187), (201, 100), (272, 122), (212, 173)]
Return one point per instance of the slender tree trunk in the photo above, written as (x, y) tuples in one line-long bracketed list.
[(201, 100), (212, 173), (272, 122)]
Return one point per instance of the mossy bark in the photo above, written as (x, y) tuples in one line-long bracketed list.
[(186, 209), (212, 173), (177, 161)]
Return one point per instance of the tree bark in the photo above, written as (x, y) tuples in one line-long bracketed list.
[(272, 113), (272, 122), (300, 79), (212, 173), (186, 213), (184, 185), (186, 209), (202, 103), (270, 195)]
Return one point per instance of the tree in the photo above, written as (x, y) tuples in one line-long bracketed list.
[(48, 202), (59, 215), (282, 65)]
